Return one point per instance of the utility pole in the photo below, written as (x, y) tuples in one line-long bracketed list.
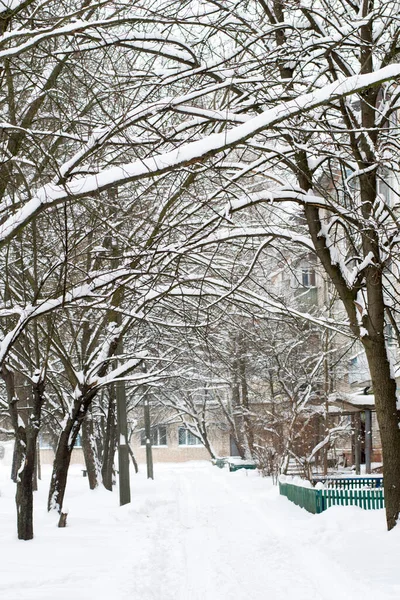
[(368, 440), (147, 432), (357, 442), (147, 428), (326, 394), (120, 391), (123, 450)]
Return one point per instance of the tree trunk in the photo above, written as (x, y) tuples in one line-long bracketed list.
[(17, 459), (384, 387), (25, 487), (18, 452), (110, 442), (62, 459), (24, 456), (247, 423), (26, 437), (61, 464), (207, 445), (90, 452), (237, 414), (238, 408), (372, 318)]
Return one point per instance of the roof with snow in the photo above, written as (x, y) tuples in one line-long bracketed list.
[(358, 399)]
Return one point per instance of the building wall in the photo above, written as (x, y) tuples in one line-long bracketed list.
[(178, 454), (6, 454), (47, 456), (345, 447), (174, 452)]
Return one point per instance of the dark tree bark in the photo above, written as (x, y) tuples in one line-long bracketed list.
[(17, 455), (384, 387), (247, 423), (65, 446), (237, 413), (207, 445), (240, 401), (373, 339), (110, 442), (90, 451), (9, 380), (24, 459), (68, 437), (25, 487)]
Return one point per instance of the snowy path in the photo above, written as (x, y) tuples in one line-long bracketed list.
[(196, 533), (229, 547)]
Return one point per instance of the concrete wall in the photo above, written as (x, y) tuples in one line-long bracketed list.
[(173, 452), (345, 444), (47, 456)]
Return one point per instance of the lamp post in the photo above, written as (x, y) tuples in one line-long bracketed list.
[(147, 431), (123, 450), (368, 440), (147, 428)]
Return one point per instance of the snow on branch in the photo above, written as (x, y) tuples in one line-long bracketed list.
[(39, 35), (9, 432), (52, 194), (225, 234), (335, 431), (120, 372), (86, 291)]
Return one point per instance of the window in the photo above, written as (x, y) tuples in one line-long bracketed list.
[(78, 441), (308, 277), (158, 436), (385, 186), (44, 443), (186, 438), (390, 335)]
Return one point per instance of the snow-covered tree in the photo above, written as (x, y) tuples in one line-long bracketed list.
[(313, 87), (283, 110)]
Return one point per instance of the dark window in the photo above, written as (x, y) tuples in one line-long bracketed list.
[(308, 277), (385, 187), (186, 438), (44, 443), (390, 334), (158, 436)]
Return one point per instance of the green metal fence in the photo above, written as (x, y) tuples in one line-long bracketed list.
[(368, 499), (350, 482), (317, 500), (308, 498)]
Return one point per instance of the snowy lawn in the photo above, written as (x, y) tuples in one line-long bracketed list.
[(196, 533)]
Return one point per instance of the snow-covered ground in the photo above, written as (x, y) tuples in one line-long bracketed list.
[(195, 533)]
